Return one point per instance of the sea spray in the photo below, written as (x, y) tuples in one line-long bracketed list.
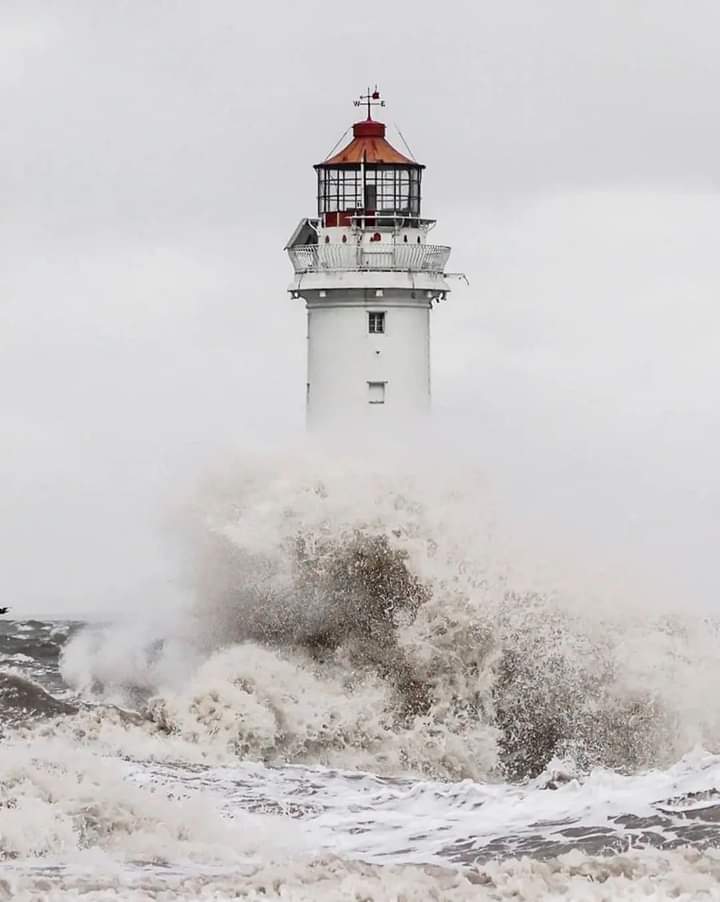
[(354, 614)]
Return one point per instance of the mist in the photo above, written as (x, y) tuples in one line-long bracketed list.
[(155, 161)]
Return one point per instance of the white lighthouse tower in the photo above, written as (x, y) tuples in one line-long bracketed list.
[(369, 279)]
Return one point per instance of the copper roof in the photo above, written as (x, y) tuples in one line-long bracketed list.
[(369, 144)]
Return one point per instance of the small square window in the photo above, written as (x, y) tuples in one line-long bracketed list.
[(376, 323), (376, 392)]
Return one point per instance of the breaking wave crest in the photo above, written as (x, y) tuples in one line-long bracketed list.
[(22, 698), (365, 616)]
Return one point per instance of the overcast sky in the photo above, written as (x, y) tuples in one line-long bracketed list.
[(155, 157)]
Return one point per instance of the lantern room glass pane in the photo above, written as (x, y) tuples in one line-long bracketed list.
[(386, 189)]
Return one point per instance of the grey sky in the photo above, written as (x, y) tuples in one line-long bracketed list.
[(154, 158)]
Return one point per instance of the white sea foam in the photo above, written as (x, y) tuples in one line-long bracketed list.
[(57, 801), (73, 823), (687, 876), (366, 619)]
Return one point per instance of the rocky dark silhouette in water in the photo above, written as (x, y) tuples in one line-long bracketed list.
[(4, 610)]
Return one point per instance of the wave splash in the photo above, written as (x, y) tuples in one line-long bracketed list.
[(364, 617)]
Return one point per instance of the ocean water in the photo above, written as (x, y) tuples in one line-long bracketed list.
[(364, 701)]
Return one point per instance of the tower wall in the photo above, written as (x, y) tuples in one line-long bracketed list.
[(355, 375)]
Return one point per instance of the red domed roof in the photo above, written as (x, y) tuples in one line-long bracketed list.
[(369, 145)]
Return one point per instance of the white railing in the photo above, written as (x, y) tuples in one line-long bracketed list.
[(394, 258)]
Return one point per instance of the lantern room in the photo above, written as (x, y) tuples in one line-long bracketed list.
[(369, 183)]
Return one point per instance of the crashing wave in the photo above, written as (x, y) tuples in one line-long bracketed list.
[(361, 620)]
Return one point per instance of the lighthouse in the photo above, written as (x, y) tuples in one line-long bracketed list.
[(369, 278)]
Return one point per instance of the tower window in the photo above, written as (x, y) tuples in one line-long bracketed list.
[(376, 323), (376, 392)]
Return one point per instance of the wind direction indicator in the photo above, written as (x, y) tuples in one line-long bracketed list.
[(372, 98)]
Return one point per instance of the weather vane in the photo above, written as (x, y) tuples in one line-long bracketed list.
[(372, 98)]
